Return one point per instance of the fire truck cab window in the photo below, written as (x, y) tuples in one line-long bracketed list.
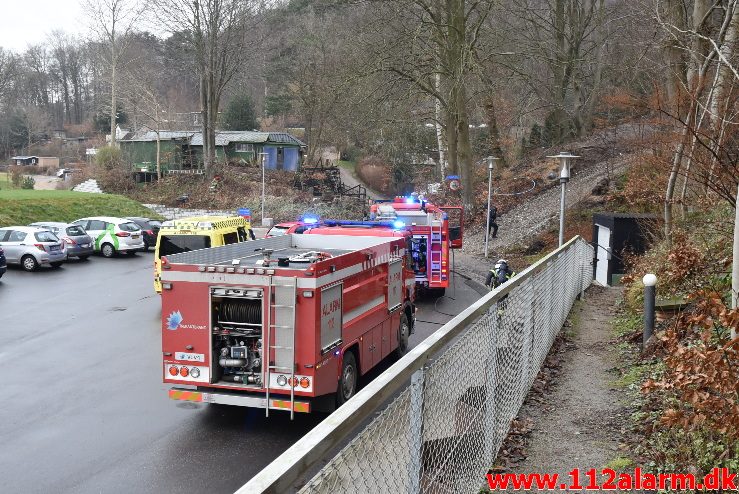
[(230, 238), (242, 234), (174, 244)]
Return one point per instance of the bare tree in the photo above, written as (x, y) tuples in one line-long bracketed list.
[(113, 21), (217, 31)]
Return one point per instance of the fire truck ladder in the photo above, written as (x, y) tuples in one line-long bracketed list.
[(282, 300), (435, 257)]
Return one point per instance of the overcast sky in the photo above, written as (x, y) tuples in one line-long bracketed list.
[(25, 22)]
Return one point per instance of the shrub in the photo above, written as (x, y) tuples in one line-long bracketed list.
[(28, 183), (16, 176), (109, 158)]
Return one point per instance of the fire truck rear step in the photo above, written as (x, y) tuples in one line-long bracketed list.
[(282, 299), (237, 399)]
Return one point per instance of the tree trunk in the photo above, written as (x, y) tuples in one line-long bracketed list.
[(494, 132), (113, 104), (451, 140), (159, 163), (464, 150), (723, 76), (675, 171), (673, 53), (439, 130), (735, 262)]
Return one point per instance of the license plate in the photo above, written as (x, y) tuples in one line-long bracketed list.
[(134, 236), (192, 357), (54, 248)]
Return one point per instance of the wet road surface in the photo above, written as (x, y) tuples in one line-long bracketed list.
[(83, 408)]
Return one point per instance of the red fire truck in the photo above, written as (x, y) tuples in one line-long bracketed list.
[(288, 322), (434, 229)]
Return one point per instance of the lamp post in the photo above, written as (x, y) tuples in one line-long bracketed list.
[(564, 177), (263, 185), (491, 161)]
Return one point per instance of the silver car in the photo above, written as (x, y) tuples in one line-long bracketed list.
[(32, 247), (78, 243)]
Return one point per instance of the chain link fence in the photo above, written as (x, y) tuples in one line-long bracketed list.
[(442, 431)]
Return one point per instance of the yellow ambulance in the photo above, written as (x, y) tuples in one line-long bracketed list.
[(199, 232)]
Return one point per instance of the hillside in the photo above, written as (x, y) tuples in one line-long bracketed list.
[(21, 207)]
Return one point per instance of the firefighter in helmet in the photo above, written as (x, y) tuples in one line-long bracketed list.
[(499, 274)]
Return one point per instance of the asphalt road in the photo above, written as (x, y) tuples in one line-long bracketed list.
[(83, 408)]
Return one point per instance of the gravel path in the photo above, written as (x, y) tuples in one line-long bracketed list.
[(348, 179), (578, 424)]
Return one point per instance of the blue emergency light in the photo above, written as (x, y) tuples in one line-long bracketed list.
[(398, 225)]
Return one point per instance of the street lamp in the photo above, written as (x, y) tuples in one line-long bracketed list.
[(491, 161), (263, 186), (564, 177)]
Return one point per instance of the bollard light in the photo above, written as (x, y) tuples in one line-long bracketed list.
[(650, 282)]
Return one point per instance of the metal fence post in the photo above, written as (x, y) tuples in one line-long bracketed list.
[(491, 380), (650, 282), (415, 437)]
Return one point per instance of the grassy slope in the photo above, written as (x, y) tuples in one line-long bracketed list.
[(20, 207)]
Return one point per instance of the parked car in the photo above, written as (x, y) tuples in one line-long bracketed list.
[(290, 227), (31, 247), (111, 234), (78, 242), (3, 263), (150, 229)]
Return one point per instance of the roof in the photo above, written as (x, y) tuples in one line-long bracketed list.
[(164, 135), (635, 216), (27, 229), (50, 223), (23, 157), (109, 219), (223, 137)]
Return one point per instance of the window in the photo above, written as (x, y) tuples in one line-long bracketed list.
[(4, 234), (83, 223), (46, 237), (75, 231), (244, 148), (175, 244), (230, 238), (17, 236), (129, 227), (242, 234), (96, 225)]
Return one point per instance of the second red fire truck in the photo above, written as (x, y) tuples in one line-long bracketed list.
[(288, 322), (434, 231)]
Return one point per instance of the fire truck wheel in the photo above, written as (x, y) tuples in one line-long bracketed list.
[(404, 331), (348, 381)]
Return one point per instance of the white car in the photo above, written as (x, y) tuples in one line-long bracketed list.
[(111, 234)]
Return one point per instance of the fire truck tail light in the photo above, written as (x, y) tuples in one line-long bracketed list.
[(294, 382), (304, 382), (195, 372), (184, 371), (281, 380), (173, 371)]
